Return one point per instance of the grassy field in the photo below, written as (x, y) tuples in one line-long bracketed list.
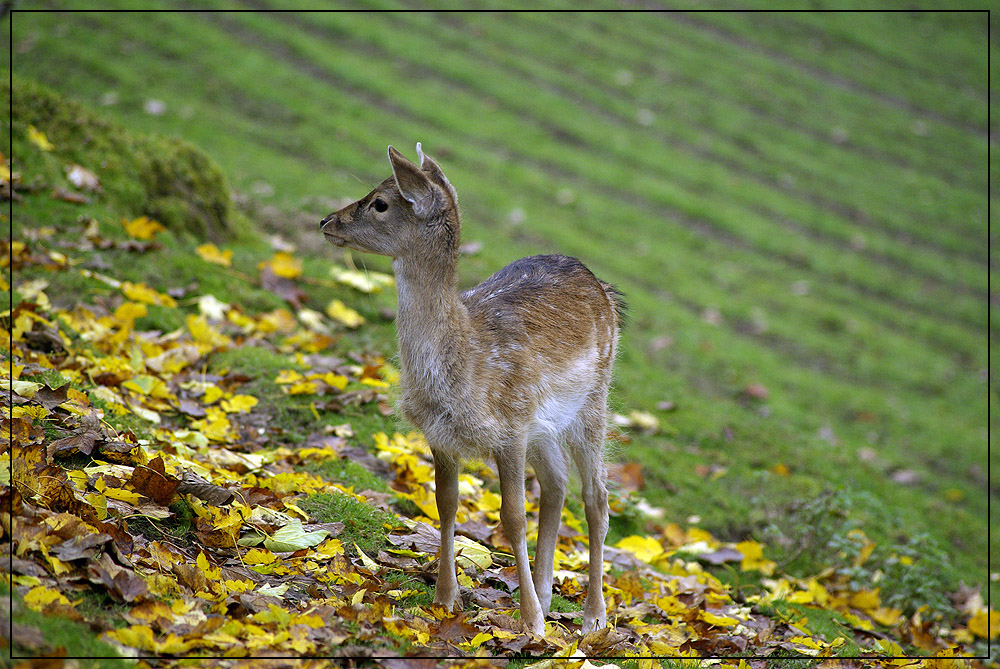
[(796, 202)]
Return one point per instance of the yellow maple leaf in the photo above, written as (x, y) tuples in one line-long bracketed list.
[(214, 428), (857, 621), (279, 320), (985, 623), (366, 282), (203, 333), (38, 138), (136, 636), (213, 394), (142, 227), (123, 495), (140, 292), (866, 600), (886, 616), (239, 586), (753, 558), (488, 501), (286, 376), (477, 640), (283, 265), (807, 645), (211, 253), (472, 552), (40, 596), (310, 620), (644, 548), (100, 504), (238, 403), (259, 556), (202, 563), (720, 621), (338, 381), (175, 645), (128, 312), (303, 388), (339, 311), (331, 547)]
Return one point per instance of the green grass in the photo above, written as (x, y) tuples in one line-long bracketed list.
[(365, 526), (62, 637), (349, 474), (824, 196)]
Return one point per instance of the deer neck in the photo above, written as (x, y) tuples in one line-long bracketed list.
[(432, 325)]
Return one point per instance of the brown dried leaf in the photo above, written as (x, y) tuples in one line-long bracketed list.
[(192, 484), (721, 555), (191, 408), (152, 481), (455, 629), (83, 440), (80, 547), (123, 584), (628, 476), (60, 193), (50, 398), (283, 287)]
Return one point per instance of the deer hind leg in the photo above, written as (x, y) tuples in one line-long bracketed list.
[(549, 461), (446, 495), (587, 446), (510, 467)]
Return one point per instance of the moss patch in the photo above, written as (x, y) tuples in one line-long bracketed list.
[(165, 178)]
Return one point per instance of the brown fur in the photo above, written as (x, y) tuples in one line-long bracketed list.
[(517, 368)]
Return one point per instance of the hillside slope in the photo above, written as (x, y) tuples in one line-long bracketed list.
[(795, 206)]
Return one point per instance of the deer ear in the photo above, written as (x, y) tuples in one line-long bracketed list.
[(413, 184), (434, 171)]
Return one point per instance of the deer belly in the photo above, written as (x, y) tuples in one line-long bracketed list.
[(561, 397)]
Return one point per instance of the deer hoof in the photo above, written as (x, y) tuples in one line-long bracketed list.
[(591, 624), (449, 600), (535, 627)]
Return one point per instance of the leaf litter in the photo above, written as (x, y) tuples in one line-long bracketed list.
[(89, 507)]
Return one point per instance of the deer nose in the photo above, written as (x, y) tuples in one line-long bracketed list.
[(326, 220)]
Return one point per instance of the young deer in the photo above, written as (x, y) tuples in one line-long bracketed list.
[(516, 368)]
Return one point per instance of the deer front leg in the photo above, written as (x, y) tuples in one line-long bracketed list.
[(510, 467), (446, 496)]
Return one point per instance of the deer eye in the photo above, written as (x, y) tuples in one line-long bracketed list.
[(380, 205)]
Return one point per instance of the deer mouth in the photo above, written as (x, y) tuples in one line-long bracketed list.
[(335, 239)]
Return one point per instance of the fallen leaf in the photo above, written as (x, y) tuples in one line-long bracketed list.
[(192, 484), (283, 265), (211, 253), (455, 629), (985, 623), (142, 227), (60, 193), (340, 312), (293, 537), (644, 548), (152, 481), (366, 282), (282, 286), (83, 178), (38, 138)]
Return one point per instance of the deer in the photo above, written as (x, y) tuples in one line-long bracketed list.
[(516, 369)]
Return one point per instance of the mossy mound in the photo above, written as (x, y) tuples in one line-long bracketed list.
[(165, 178)]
